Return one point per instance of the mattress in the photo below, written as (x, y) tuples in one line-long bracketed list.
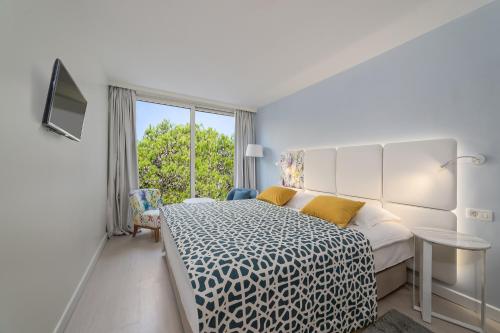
[(300, 279), (391, 243)]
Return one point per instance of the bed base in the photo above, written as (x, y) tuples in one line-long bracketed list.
[(390, 279)]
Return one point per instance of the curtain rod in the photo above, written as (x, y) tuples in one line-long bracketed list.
[(186, 99)]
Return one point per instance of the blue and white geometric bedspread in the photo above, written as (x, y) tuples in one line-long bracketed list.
[(256, 267)]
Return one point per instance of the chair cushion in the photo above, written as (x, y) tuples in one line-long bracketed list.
[(144, 200), (241, 194), (150, 218)]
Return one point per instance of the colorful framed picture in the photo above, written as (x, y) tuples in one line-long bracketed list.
[(292, 169)]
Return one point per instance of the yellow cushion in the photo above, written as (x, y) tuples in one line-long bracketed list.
[(277, 195), (333, 209)]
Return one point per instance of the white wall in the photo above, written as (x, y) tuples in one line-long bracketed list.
[(52, 190), (443, 84)]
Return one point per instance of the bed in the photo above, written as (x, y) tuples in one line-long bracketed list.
[(257, 267), (198, 238)]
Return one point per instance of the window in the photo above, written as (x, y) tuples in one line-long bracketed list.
[(183, 151), (214, 162)]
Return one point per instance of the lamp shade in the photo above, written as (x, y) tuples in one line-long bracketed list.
[(254, 151)]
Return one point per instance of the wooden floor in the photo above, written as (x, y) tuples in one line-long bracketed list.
[(130, 291)]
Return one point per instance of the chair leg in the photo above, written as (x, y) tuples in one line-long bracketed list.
[(157, 235), (135, 230)]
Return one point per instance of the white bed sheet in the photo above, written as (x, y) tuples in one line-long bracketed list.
[(384, 234), (392, 254), (391, 243)]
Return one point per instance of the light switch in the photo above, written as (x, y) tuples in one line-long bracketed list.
[(479, 214)]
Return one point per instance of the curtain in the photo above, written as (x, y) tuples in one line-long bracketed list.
[(122, 159), (244, 167)]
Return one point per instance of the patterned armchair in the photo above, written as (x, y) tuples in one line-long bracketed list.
[(145, 204)]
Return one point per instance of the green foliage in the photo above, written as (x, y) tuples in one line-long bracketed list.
[(163, 155)]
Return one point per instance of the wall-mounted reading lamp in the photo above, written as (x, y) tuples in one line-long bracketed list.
[(477, 159)]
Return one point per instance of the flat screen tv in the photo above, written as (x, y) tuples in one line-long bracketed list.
[(65, 106)]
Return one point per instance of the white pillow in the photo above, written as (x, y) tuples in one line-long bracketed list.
[(299, 200), (369, 216)]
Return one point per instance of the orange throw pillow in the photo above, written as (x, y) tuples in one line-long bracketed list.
[(277, 195), (335, 210)]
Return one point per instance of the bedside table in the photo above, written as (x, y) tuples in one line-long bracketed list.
[(430, 236)]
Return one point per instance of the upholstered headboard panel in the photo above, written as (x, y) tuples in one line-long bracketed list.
[(319, 170), (359, 171), (413, 176), (424, 192), (405, 178), (369, 202)]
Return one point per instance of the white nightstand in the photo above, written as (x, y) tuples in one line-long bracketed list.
[(430, 236)]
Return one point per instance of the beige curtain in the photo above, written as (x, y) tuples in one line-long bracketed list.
[(122, 159), (244, 167)]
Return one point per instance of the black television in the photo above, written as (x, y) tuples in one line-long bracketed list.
[(65, 106)]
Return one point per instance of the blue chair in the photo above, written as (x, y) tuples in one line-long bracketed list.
[(241, 193)]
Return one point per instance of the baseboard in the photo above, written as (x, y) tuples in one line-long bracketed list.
[(466, 301), (461, 299), (70, 307)]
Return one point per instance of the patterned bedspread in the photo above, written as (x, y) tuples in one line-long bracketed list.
[(256, 267)]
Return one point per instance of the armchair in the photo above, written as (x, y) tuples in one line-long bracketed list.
[(145, 204)]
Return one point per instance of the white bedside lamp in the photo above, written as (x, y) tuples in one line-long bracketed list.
[(254, 150)]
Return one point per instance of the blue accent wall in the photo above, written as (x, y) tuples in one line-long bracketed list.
[(445, 83)]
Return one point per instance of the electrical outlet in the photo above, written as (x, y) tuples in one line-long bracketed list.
[(479, 214)]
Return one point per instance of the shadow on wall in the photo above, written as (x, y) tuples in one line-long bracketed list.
[(39, 90), (270, 162)]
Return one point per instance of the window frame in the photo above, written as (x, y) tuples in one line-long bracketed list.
[(193, 107)]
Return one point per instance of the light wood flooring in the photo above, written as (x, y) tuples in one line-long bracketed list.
[(129, 291)]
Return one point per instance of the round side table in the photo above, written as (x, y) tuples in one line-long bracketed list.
[(429, 237)]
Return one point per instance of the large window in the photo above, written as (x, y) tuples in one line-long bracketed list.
[(214, 171), (183, 151)]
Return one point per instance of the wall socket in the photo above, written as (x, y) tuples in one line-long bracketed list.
[(479, 214)]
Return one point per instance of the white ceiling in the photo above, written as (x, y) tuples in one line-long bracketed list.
[(247, 53)]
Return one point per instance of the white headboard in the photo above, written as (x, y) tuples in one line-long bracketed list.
[(321, 177), (416, 166), (359, 171), (406, 178)]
